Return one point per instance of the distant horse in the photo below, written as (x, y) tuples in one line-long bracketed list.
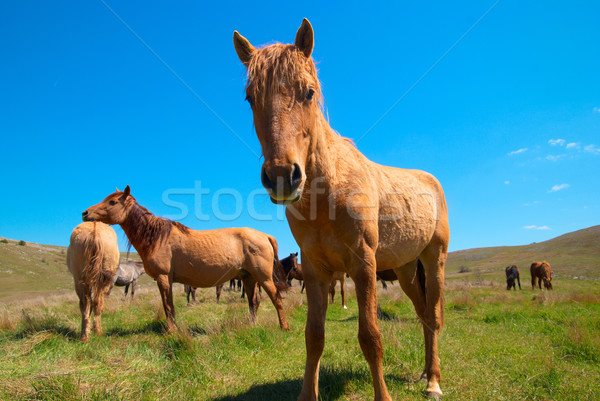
[(542, 272), (341, 277), (190, 292), (297, 274), (127, 274), (172, 252), (235, 282), (347, 213), (512, 274), (289, 263), (93, 259), (386, 275)]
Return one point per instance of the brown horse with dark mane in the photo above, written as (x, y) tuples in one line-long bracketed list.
[(174, 253), (347, 213), (541, 271), (512, 274), (93, 259)]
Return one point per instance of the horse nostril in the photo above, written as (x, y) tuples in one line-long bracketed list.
[(265, 179), (85, 213), (296, 178)]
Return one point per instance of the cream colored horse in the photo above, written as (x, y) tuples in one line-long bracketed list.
[(93, 259), (174, 253), (347, 213)]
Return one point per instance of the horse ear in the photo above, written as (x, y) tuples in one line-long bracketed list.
[(117, 189), (127, 191), (243, 48), (305, 38)]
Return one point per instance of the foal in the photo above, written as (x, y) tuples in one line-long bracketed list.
[(174, 253), (512, 274), (347, 213)]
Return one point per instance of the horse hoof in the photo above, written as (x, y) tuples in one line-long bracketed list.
[(433, 391)]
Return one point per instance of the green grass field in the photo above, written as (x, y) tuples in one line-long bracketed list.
[(496, 345)]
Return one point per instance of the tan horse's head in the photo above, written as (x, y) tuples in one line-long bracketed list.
[(113, 209), (284, 93)]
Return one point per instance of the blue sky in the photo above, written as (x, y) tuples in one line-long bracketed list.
[(508, 120)]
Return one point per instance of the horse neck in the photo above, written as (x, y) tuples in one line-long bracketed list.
[(329, 157), (138, 220)]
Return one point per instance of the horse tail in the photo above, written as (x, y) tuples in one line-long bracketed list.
[(279, 276), (94, 274), (421, 279)]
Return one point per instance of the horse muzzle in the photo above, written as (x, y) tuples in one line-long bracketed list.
[(283, 183), (85, 216)]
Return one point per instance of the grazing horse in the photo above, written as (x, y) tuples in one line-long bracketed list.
[(347, 213), (297, 274), (512, 274), (93, 259), (341, 277), (542, 272), (191, 292), (127, 274), (174, 253)]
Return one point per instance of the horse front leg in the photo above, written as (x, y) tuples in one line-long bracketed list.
[(363, 272), (165, 286), (343, 291), (317, 287)]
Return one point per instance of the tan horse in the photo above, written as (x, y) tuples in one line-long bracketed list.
[(542, 272), (341, 277), (174, 253), (347, 213), (93, 259)]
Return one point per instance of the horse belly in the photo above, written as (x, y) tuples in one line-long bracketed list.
[(206, 270)]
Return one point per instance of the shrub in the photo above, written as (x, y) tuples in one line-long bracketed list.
[(22, 243), (464, 269), (4, 241)]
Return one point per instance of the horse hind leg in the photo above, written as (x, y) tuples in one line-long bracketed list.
[(332, 291), (165, 286), (98, 305), (250, 289), (84, 307), (272, 292), (433, 259), (343, 291)]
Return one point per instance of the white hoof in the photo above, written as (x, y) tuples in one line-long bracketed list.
[(345, 307)]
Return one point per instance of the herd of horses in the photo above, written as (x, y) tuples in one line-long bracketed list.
[(540, 272), (349, 216)]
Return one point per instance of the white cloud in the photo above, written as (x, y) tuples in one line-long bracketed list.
[(531, 204), (553, 158), (559, 187), (592, 149), (572, 145), (534, 227), (507, 182), (596, 109), (516, 152), (555, 142)]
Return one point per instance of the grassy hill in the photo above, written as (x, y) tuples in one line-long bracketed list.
[(576, 254), (32, 270)]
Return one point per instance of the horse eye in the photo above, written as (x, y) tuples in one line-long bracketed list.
[(113, 202), (250, 100), (310, 94)]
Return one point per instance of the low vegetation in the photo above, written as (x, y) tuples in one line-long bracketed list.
[(496, 344)]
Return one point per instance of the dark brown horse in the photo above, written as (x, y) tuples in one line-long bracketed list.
[(347, 213), (512, 274), (190, 292), (386, 275), (172, 252), (289, 263), (542, 272)]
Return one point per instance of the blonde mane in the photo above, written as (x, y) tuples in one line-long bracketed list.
[(276, 65)]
